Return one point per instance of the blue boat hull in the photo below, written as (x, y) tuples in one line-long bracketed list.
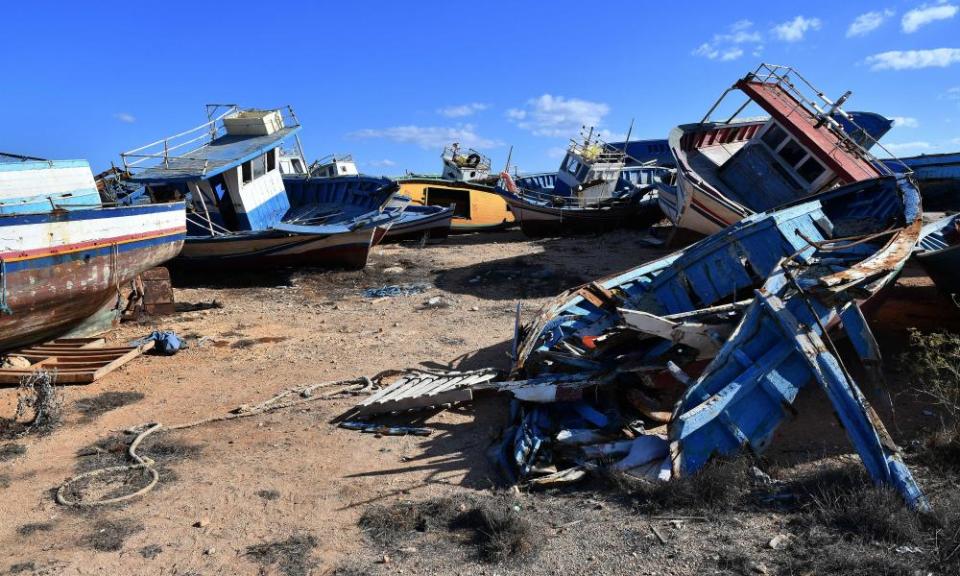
[(939, 253)]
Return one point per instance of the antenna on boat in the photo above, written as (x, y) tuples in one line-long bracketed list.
[(509, 156), (627, 141)]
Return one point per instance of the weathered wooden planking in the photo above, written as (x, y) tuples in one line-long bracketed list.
[(416, 390), (75, 360)]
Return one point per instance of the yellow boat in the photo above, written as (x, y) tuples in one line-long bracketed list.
[(467, 185)]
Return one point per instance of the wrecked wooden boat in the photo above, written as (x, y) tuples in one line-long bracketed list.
[(242, 210), (416, 222), (938, 176), (594, 191), (731, 168), (465, 184), (939, 253), (629, 338), (65, 254)]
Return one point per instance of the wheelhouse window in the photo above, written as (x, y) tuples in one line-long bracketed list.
[(259, 165), (246, 172), (774, 136), (792, 152), (297, 166), (572, 165), (271, 160), (810, 170)]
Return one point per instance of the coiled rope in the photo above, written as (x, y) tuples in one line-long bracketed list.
[(305, 394)]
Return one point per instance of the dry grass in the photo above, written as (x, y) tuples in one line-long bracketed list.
[(11, 450), (34, 527), (95, 406), (109, 535), (720, 485), (291, 556), (493, 524), (39, 397), (933, 364)]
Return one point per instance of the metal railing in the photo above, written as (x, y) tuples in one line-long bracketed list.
[(452, 155), (184, 145)]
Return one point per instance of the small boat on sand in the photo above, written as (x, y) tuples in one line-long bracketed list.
[(594, 191), (65, 254), (939, 253), (416, 222), (242, 210), (467, 185)]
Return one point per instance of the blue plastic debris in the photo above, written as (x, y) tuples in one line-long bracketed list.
[(385, 430), (167, 342)]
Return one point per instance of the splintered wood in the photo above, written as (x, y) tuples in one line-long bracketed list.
[(75, 360), (416, 390)]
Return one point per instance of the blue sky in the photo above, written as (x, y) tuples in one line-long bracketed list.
[(391, 82)]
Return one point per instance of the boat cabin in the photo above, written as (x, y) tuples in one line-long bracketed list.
[(469, 166), (334, 165), (590, 170), (800, 149), (228, 168)]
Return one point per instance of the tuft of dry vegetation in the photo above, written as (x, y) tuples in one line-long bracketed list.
[(34, 527), (933, 363), (291, 556), (494, 525), (40, 398), (11, 450), (109, 535), (500, 532), (95, 406), (720, 485)]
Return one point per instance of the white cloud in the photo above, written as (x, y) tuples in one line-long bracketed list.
[(904, 122), (952, 93), (868, 22), (428, 137), (913, 59), (925, 14), (955, 141), (728, 45), (908, 146), (385, 163), (794, 30), (125, 117), (556, 116), (461, 110)]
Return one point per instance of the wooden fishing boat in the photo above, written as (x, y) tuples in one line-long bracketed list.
[(732, 168), (938, 176), (467, 185), (594, 191), (635, 333), (416, 222), (243, 211), (939, 253), (64, 254)]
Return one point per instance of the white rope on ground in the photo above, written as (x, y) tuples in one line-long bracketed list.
[(140, 463)]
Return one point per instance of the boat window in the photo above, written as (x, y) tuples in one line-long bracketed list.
[(297, 166), (572, 165), (247, 173), (271, 160), (774, 136), (810, 170), (259, 166), (792, 152)]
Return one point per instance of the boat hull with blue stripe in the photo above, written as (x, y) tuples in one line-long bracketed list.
[(938, 176), (61, 267)]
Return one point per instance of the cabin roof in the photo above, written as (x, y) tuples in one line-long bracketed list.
[(830, 148), (213, 158)]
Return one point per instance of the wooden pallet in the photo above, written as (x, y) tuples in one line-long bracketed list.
[(415, 390), (75, 360)]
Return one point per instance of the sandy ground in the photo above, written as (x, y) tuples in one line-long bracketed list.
[(228, 486)]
